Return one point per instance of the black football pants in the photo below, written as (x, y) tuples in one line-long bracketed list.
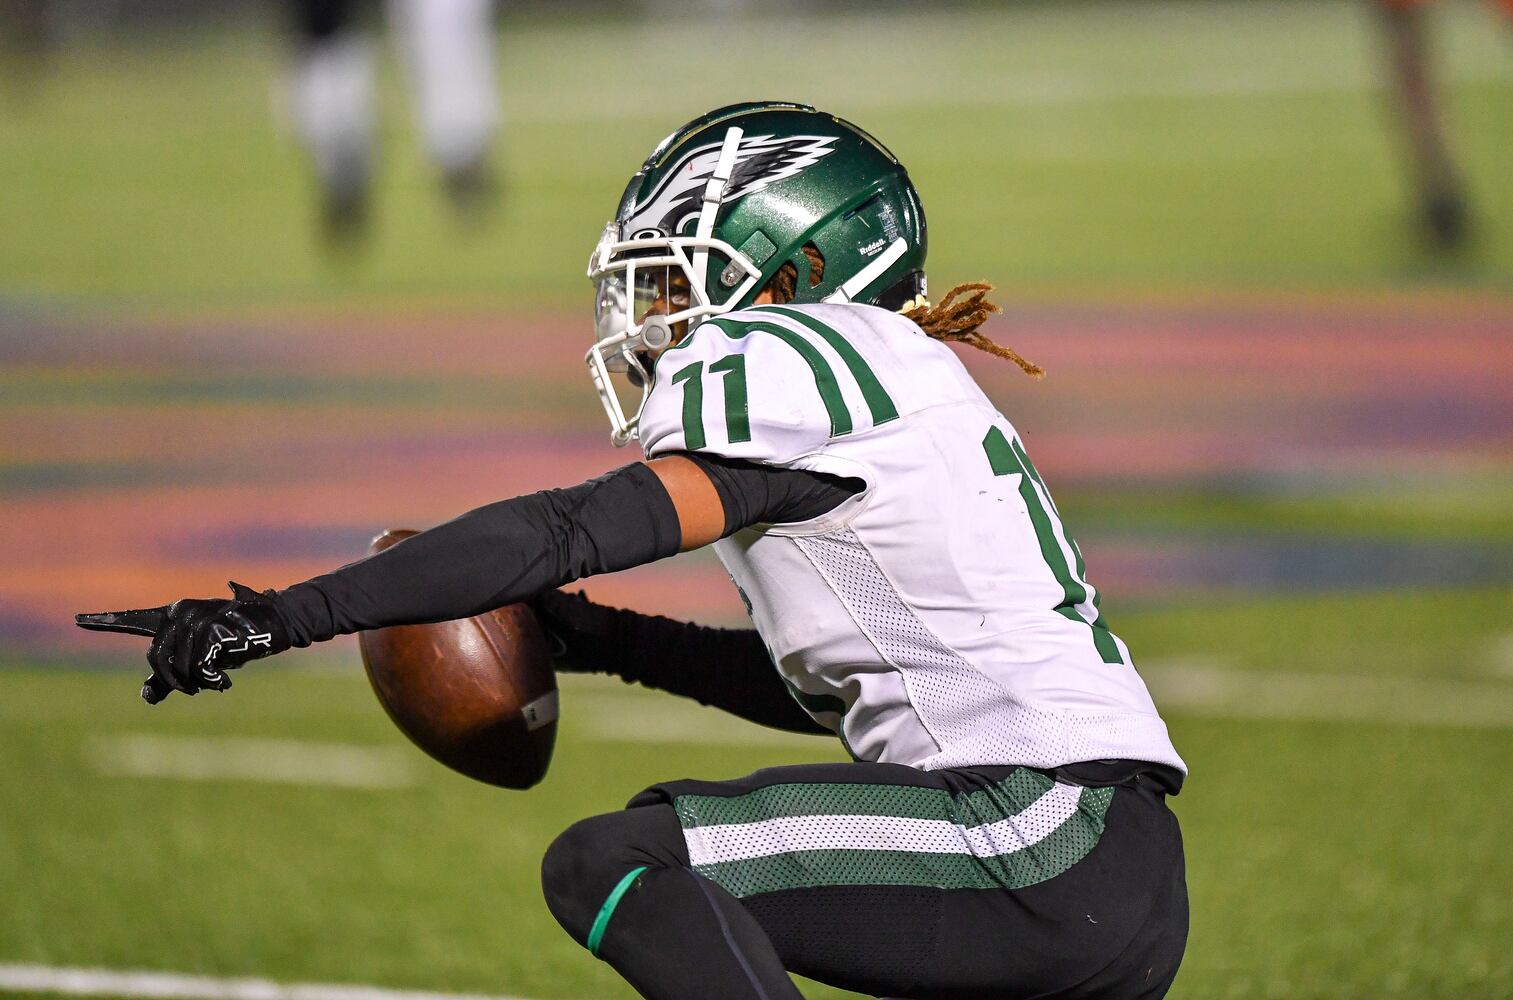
[(943, 885)]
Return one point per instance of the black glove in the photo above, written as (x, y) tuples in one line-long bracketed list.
[(569, 621), (194, 642)]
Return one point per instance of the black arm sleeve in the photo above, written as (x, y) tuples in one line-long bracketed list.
[(516, 549), (767, 494), (495, 555), (726, 668)]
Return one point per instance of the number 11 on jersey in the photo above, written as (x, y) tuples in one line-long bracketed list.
[(737, 421), (1008, 457)]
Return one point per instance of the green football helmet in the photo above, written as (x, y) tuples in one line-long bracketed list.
[(720, 206)]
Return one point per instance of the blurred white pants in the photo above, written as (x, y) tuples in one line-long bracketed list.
[(332, 100), (447, 47)]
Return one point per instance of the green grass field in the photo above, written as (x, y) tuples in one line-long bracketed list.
[(1348, 812), (1346, 853)]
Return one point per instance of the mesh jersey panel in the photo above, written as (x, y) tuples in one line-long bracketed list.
[(956, 703)]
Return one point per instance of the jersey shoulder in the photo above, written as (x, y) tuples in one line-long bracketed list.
[(772, 384)]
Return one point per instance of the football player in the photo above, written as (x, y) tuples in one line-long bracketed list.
[(1003, 830), (448, 50), (1444, 214)]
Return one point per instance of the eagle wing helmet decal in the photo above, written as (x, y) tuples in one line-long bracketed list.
[(760, 160)]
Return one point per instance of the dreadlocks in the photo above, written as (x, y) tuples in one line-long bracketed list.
[(958, 316)]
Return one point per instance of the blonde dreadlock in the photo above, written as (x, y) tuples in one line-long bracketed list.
[(957, 317), (959, 321)]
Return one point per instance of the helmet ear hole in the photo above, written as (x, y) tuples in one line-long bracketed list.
[(815, 262), (809, 267), (786, 283)]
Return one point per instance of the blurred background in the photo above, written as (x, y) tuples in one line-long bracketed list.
[(274, 277)]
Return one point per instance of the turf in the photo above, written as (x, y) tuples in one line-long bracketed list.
[(1470, 507), (1327, 859), (1132, 146)]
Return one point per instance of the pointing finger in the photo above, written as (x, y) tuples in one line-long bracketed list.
[(147, 621)]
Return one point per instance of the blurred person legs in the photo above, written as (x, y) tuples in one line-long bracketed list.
[(448, 48), (333, 97), (1442, 206), (26, 38), (24, 26)]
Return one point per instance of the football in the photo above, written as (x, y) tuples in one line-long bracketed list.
[(478, 694)]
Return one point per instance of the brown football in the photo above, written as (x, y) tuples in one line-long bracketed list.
[(478, 694)]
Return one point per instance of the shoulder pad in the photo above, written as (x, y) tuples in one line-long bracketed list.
[(770, 384)]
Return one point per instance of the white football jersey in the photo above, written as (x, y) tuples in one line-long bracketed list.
[(941, 617)]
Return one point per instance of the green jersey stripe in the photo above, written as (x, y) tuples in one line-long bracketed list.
[(1006, 457), (1005, 461), (1050, 857), (1029, 466), (1103, 639), (879, 403), (824, 375), (1009, 797)]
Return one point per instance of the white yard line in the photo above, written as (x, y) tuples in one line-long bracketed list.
[(276, 761), (1204, 689), (176, 986), (1199, 689)]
